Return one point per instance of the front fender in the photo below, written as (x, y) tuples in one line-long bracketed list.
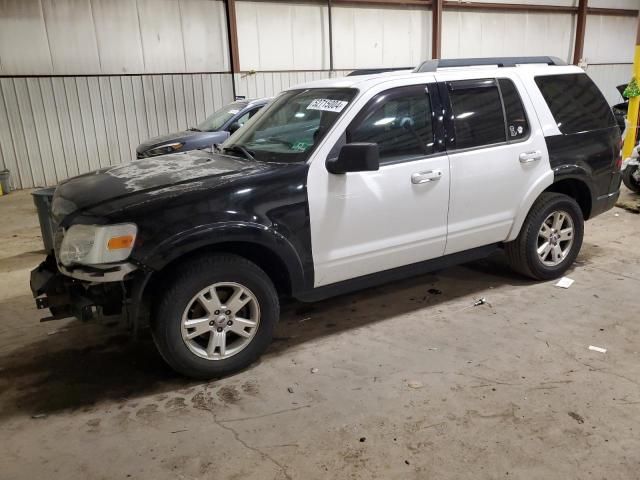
[(196, 238)]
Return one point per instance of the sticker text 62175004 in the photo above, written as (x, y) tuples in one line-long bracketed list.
[(327, 105)]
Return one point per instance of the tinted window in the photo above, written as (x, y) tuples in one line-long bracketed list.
[(517, 125), (477, 110), (399, 121), (575, 102)]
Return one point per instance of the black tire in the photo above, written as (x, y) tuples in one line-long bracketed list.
[(627, 177), (522, 252), (176, 296)]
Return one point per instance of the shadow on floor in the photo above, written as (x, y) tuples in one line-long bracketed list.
[(97, 362)]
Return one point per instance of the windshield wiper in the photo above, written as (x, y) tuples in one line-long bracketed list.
[(239, 148), (278, 140), (193, 129)]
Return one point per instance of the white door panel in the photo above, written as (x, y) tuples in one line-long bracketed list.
[(488, 184), (373, 221)]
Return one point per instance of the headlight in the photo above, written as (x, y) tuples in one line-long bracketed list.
[(164, 149), (97, 244)]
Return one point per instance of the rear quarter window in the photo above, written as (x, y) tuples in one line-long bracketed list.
[(576, 103)]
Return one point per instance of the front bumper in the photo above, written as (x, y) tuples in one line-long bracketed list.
[(66, 296)]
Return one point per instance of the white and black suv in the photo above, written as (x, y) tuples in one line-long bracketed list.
[(337, 185)]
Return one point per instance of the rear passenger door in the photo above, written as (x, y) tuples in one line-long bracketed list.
[(497, 154)]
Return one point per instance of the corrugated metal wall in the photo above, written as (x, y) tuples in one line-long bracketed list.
[(149, 56), (52, 128)]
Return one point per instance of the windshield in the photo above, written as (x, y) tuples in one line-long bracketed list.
[(291, 126), (216, 120)]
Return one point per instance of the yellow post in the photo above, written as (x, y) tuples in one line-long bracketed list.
[(634, 105)]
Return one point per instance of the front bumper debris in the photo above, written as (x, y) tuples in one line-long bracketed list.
[(68, 297)]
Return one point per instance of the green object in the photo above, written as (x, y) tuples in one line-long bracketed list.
[(632, 90)]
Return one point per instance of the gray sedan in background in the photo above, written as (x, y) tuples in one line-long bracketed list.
[(214, 129)]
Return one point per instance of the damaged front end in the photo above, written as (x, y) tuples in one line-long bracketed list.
[(85, 299)]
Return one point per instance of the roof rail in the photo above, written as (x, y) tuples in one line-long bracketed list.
[(370, 71), (433, 65)]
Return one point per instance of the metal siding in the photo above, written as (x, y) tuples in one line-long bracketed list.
[(496, 34), (29, 131), (161, 34), (42, 131), (6, 140), (53, 128), (609, 39), (106, 99), (77, 128), (204, 31), (64, 122), (607, 77), (88, 123), (118, 36), (102, 143), (274, 36), (71, 35)]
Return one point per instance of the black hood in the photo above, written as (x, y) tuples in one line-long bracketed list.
[(157, 176)]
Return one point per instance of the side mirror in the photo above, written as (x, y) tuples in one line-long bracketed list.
[(355, 157), (235, 126)]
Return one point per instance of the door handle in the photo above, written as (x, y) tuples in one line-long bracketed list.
[(528, 157), (426, 176)]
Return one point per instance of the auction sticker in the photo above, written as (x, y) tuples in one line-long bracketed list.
[(327, 105)]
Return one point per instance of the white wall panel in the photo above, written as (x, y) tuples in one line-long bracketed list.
[(204, 29), (607, 77), (118, 36), (268, 84), (485, 34), (72, 37), (609, 39), (161, 34), (113, 37), (24, 48), (629, 4), (52, 128), (374, 37), (281, 36), (562, 3)]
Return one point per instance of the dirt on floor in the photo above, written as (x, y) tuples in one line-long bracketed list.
[(406, 381)]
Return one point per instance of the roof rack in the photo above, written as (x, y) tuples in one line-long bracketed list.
[(370, 71), (433, 65)]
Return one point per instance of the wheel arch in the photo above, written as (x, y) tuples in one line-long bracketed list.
[(267, 249)]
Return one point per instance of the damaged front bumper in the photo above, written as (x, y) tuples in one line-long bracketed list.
[(84, 292)]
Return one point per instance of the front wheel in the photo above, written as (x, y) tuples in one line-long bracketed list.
[(216, 317), (631, 178), (550, 238)]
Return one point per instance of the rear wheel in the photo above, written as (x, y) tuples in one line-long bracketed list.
[(550, 238), (631, 178), (216, 317)]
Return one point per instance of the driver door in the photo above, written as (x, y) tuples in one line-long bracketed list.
[(368, 222)]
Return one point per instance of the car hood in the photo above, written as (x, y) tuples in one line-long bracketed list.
[(180, 137), (154, 176)]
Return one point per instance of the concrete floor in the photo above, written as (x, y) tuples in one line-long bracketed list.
[(411, 383)]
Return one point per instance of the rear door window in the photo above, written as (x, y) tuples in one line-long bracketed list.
[(477, 111), (517, 124), (576, 103)]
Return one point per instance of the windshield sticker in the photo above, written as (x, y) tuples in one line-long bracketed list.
[(327, 105), (300, 146)]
